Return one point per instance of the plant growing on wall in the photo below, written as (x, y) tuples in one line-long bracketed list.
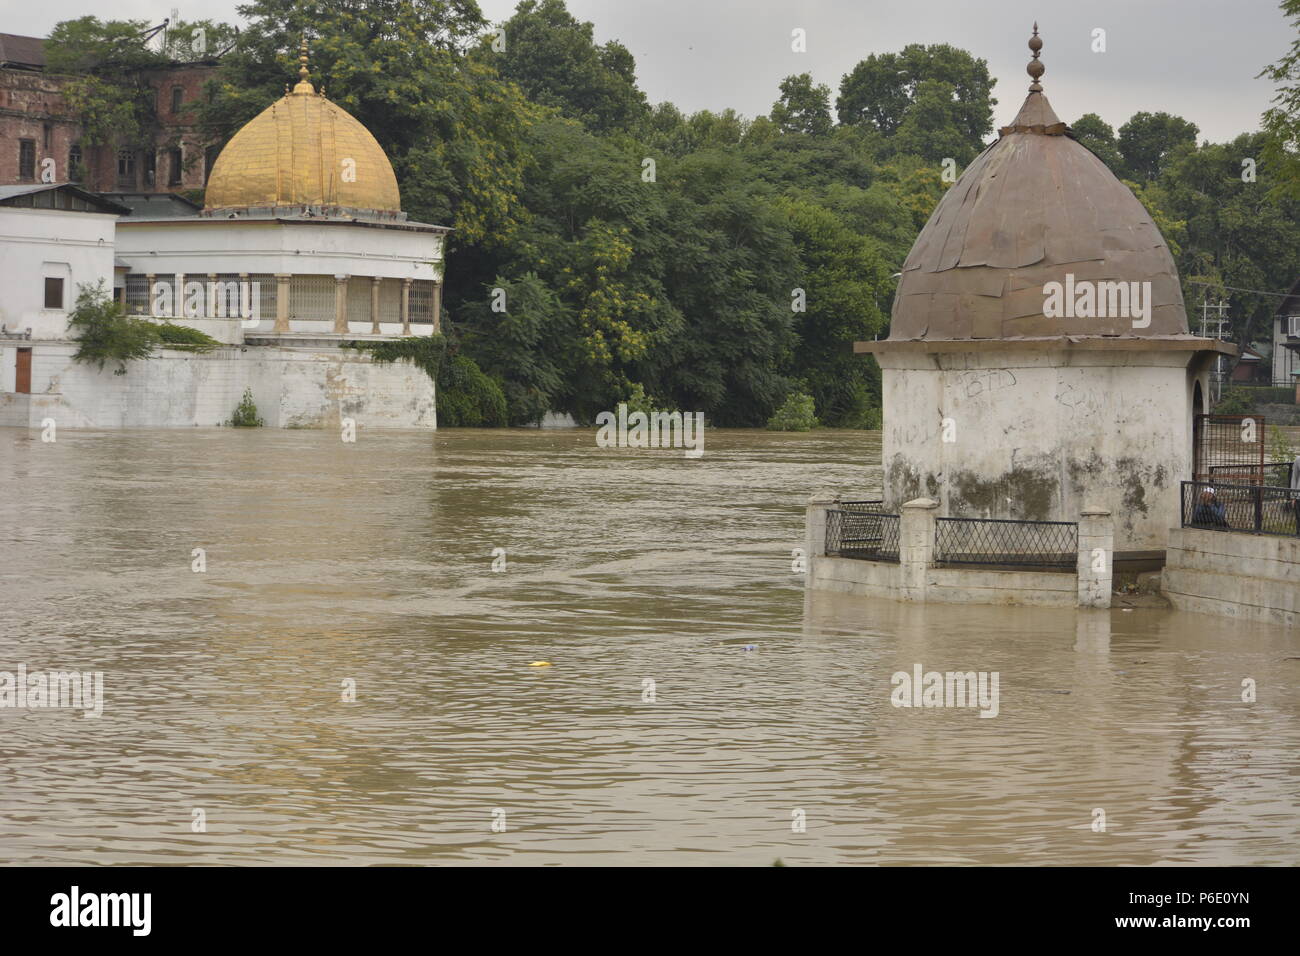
[(246, 413), (184, 338), (105, 333)]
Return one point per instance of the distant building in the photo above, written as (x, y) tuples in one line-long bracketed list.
[(37, 124), (301, 250), (1286, 339)]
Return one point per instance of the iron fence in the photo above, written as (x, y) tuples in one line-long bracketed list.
[(1254, 509), (1235, 440), (1007, 543), (861, 529)]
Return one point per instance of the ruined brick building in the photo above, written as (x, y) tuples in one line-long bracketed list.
[(37, 125)]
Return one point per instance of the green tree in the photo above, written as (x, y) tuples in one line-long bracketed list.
[(802, 106), (1281, 122), (933, 126), (841, 274), (107, 89), (1098, 135), (1238, 235), (556, 62), (105, 334), (1148, 141), (883, 88)]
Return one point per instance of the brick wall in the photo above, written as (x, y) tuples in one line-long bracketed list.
[(32, 106)]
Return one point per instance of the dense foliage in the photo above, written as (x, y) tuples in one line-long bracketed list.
[(606, 248)]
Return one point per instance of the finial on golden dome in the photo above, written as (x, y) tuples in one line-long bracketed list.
[(303, 85), (1035, 69)]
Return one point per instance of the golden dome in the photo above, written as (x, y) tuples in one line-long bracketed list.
[(303, 150)]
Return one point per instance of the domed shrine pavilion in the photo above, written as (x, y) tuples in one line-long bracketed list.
[(1039, 360)]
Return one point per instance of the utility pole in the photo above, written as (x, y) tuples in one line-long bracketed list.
[(1215, 327)]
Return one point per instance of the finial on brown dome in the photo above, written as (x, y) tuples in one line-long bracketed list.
[(1035, 69)]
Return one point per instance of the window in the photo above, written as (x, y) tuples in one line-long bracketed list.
[(126, 168), (150, 168), (178, 97), (46, 135), (174, 167), (27, 159), (209, 160), (53, 293), (75, 172)]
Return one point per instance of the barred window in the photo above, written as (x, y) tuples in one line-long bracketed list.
[(422, 302), (265, 293), (311, 297), (137, 294), (390, 300), (359, 299)]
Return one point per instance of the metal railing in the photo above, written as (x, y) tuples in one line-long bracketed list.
[(861, 529), (1007, 543), (1253, 509), (1235, 440), (1273, 474)]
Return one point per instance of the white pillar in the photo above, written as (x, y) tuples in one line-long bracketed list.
[(814, 533), (916, 525), (1096, 565)]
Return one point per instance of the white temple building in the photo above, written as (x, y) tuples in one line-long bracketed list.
[(301, 247)]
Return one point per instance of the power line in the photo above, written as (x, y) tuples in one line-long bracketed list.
[(1233, 288)]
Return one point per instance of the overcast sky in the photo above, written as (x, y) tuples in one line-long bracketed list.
[(1195, 58)]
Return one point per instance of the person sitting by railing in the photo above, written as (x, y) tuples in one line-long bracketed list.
[(1210, 511)]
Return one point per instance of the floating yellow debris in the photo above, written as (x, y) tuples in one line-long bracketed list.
[(540, 664)]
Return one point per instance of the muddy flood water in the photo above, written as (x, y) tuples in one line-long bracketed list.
[(656, 736)]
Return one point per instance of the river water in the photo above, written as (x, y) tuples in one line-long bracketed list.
[(331, 565)]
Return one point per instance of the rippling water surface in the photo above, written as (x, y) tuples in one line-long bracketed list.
[(372, 562)]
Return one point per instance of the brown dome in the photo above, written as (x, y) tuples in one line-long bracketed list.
[(1033, 207)]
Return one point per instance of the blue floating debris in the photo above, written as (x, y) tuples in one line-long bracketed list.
[(750, 647)]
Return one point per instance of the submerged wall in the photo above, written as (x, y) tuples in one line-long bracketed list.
[(1255, 577), (1039, 435), (293, 388)]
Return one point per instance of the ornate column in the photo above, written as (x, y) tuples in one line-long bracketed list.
[(375, 282), (437, 307), (282, 301), (406, 306), (341, 304)]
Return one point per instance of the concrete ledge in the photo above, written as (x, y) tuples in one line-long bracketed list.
[(1220, 594), (1248, 576), (945, 585), (979, 586), (853, 576)]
